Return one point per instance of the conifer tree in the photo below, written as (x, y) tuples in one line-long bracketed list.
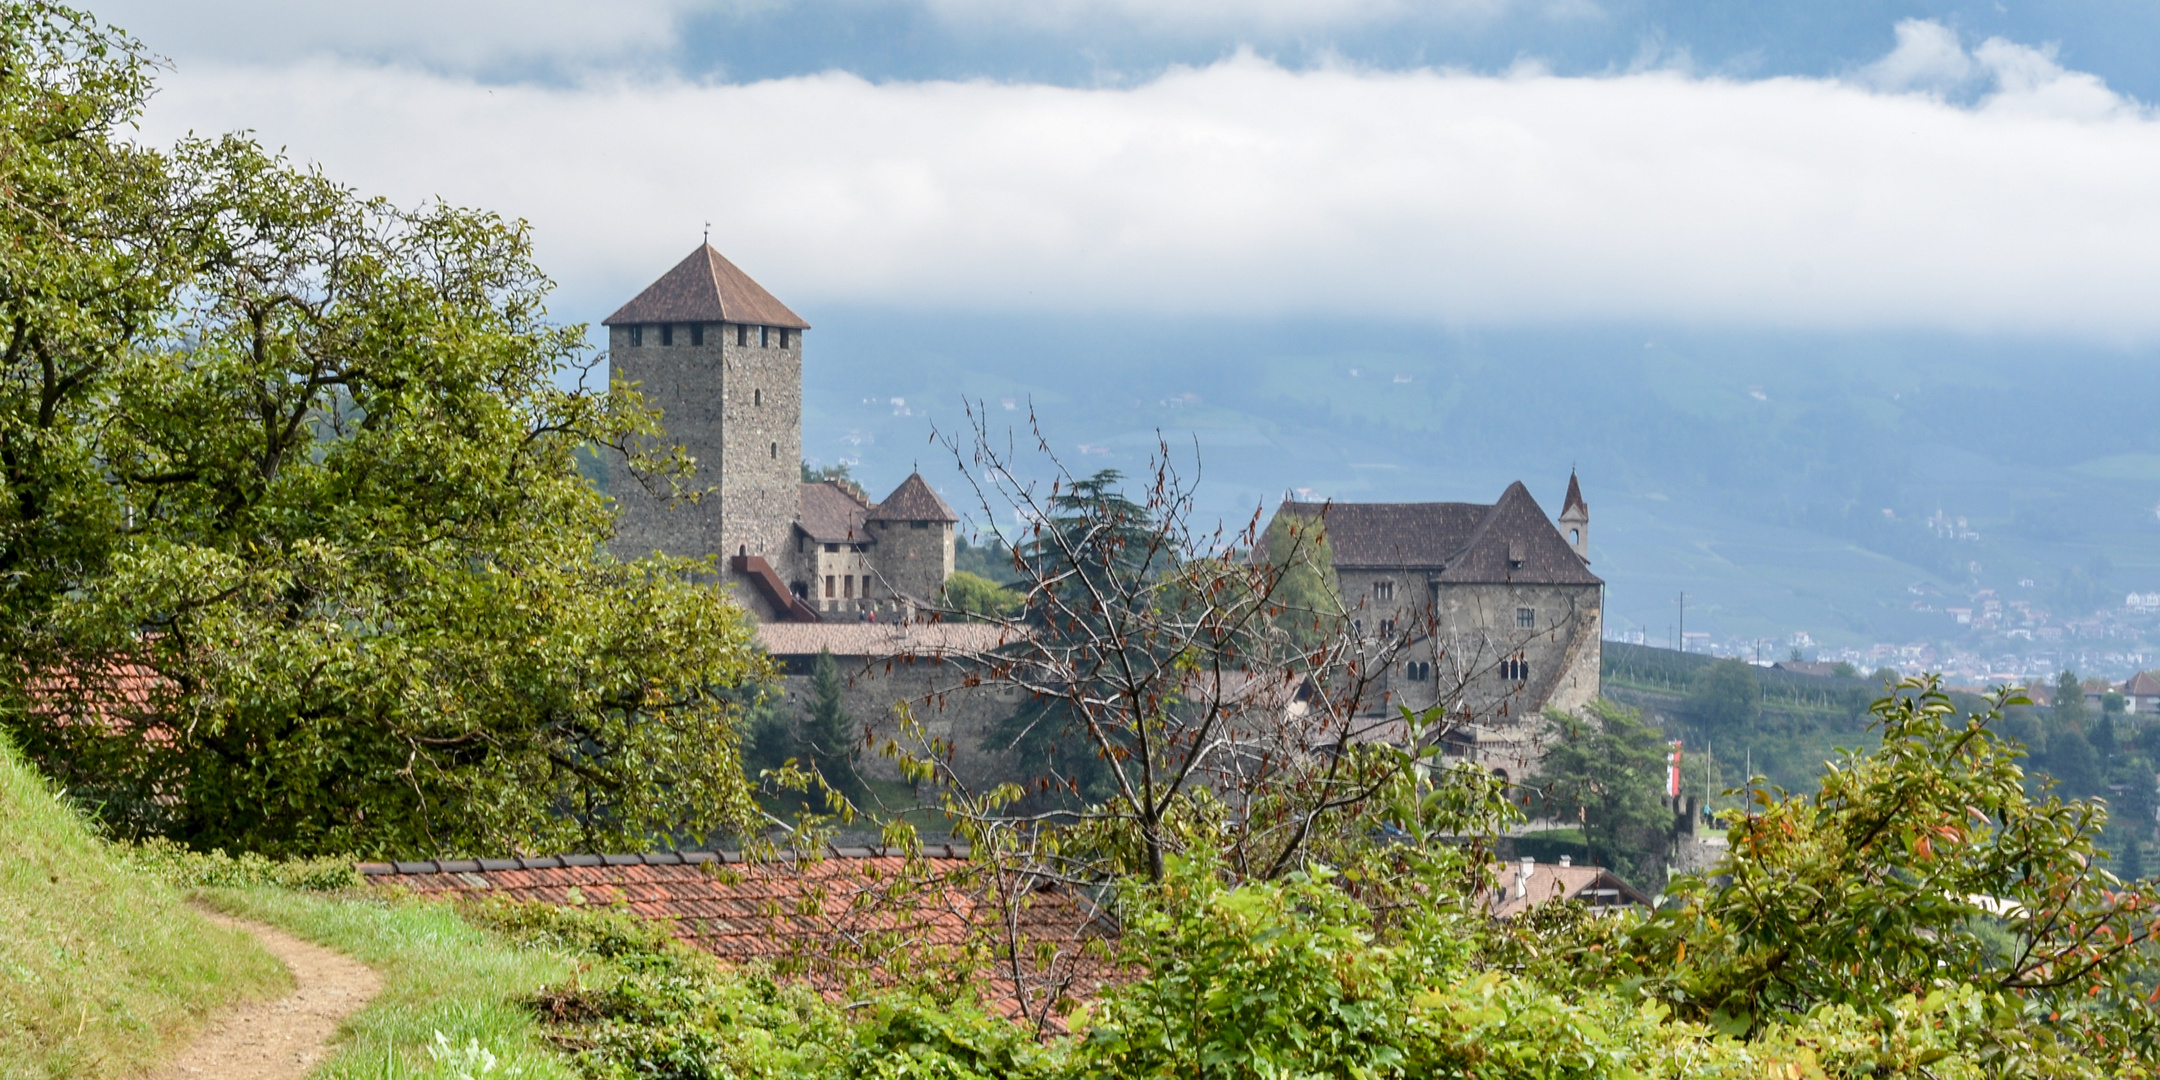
[(826, 740)]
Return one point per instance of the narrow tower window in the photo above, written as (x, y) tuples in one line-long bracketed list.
[(667, 333), (637, 336), (742, 335), (776, 451), (764, 337), (697, 333), (1383, 590), (784, 333), (757, 397)]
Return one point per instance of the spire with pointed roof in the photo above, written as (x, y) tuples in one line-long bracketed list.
[(706, 288), (1575, 518)]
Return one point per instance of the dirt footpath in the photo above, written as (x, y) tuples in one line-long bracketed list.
[(274, 1040)]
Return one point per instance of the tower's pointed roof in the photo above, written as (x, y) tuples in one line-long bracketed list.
[(913, 501), (1574, 497), (706, 288)]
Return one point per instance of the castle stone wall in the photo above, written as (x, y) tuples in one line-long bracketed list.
[(736, 409), (875, 687), (914, 557)]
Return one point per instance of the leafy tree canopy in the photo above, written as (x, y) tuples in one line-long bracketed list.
[(295, 550), (1725, 697), (1607, 771)]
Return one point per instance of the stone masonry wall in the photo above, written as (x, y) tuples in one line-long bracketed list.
[(914, 562), (1475, 628), (964, 716), (736, 409)]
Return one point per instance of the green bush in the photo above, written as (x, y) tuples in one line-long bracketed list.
[(214, 869)]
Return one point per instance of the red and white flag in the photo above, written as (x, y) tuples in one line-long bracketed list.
[(1672, 776)]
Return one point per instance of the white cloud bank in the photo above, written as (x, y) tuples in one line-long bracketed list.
[(1244, 189)]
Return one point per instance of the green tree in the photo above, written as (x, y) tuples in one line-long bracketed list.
[(1310, 595), (1922, 867), (297, 550), (1608, 770), (2068, 709), (1094, 542), (827, 741), (840, 472), (973, 594), (1724, 698)]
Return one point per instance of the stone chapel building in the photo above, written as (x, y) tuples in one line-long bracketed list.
[(1495, 611), (722, 360)]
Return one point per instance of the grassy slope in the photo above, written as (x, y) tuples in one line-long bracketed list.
[(101, 967), (440, 974)]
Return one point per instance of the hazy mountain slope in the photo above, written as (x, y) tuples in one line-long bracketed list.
[(1750, 468)]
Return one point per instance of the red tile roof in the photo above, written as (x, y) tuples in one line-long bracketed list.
[(851, 912), (2142, 684), (117, 696), (706, 288), (1546, 883), (913, 501)]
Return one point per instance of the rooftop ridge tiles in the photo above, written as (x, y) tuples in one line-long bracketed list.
[(649, 858)]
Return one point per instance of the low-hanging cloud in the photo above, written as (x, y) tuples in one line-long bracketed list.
[(1246, 189)]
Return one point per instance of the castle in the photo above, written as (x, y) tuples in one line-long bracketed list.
[(1495, 612), (1498, 613), (722, 360)]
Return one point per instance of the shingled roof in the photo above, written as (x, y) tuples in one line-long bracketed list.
[(799, 914), (1510, 541), (831, 514), (913, 501), (1574, 496), (706, 288), (925, 642)]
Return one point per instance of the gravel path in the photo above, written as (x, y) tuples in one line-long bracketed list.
[(274, 1040)]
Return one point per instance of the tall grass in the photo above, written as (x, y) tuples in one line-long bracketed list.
[(103, 968)]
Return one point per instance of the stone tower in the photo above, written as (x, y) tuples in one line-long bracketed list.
[(913, 529), (1575, 518), (722, 360)]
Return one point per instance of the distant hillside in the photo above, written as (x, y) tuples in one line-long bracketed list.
[(1751, 469)]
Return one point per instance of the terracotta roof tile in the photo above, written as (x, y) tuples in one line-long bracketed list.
[(811, 918), (1514, 894), (706, 288), (913, 501), (2143, 684)]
